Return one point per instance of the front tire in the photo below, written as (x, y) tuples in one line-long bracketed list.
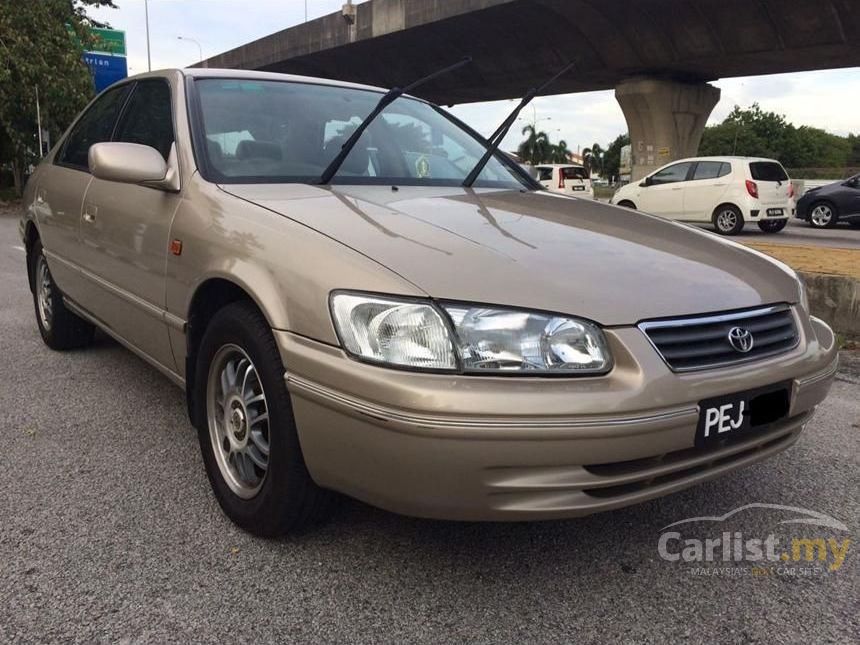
[(247, 431), (823, 215), (773, 225), (60, 328), (728, 220), (626, 203)]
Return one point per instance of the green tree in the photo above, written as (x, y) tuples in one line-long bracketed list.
[(612, 156), (560, 153), (41, 47), (752, 132), (591, 157), (536, 148)]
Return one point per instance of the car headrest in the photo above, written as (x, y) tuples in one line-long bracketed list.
[(249, 149), (357, 159), (213, 148)]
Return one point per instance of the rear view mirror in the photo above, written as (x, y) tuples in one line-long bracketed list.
[(128, 163)]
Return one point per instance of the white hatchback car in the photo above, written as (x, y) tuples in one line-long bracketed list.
[(569, 179), (726, 192)]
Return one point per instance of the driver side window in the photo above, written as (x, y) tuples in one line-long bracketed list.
[(671, 175)]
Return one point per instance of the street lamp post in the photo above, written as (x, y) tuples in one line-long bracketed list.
[(146, 12), (199, 48)]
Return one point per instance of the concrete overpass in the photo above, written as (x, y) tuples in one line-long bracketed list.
[(658, 54)]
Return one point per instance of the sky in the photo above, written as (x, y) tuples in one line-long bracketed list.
[(824, 99)]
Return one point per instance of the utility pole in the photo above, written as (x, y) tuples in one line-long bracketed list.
[(148, 58), (39, 123)]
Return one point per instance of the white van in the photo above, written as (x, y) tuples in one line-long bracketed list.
[(726, 192), (569, 179)]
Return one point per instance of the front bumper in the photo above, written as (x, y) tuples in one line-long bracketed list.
[(503, 448)]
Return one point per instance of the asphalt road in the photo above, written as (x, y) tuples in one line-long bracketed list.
[(799, 232), (108, 533)]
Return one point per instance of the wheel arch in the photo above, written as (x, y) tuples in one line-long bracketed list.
[(31, 236), (210, 296), (834, 208), (624, 204), (723, 205)]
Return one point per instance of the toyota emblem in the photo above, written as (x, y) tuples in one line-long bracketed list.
[(741, 339)]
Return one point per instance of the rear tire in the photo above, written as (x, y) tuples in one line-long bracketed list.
[(772, 226), (823, 215), (254, 464), (59, 327), (728, 220), (626, 203)]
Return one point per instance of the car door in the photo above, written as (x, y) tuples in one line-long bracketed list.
[(705, 189), (663, 192), (59, 195), (848, 198), (125, 229)]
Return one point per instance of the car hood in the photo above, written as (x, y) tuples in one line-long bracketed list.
[(535, 250)]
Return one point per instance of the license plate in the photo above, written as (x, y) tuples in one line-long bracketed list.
[(579, 187), (732, 415), (774, 212)]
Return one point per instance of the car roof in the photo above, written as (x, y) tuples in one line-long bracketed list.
[(725, 158), (245, 74)]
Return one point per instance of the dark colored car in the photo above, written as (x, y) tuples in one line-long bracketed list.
[(838, 202)]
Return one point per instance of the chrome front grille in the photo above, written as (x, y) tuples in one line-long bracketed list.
[(702, 342)]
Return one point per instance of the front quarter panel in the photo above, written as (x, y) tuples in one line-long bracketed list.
[(286, 267)]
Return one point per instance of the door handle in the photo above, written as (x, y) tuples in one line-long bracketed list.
[(90, 214), (679, 188)]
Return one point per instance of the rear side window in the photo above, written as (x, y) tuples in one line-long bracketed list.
[(545, 174), (767, 171), (711, 170), (574, 173), (95, 126), (147, 119)]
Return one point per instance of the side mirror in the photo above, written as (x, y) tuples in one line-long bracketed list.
[(128, 163), (646, 182)]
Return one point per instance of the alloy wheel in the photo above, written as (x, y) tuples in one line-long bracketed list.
[(44, 293), (238, 419), (727, 220), (821, 215)]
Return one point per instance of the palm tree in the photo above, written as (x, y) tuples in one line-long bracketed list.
[(536, 148), (560, 152), (591, 157)]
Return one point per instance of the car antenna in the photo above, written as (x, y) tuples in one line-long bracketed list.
[(387, 99), (495, 139)]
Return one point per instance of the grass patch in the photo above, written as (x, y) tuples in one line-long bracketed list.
[(814, 259)]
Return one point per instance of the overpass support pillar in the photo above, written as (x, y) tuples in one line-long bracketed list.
[(665, 119)]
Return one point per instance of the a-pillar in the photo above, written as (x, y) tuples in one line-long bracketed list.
[(665, 119)]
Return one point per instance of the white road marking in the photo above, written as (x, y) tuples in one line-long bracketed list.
[(19, 248)]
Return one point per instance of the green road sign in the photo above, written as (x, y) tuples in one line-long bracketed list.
[(110, 41)]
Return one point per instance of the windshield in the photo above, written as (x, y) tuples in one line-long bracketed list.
[(280, 131)]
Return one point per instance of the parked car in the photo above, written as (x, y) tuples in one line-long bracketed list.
[(568, 179), (483, 352), (726, 192), (825, 206)]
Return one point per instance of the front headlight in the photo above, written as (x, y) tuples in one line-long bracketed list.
[(523, 341), (402, 333), (415, 334)]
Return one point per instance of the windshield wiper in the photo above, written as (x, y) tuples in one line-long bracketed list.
[(497, 136), (387, 99)]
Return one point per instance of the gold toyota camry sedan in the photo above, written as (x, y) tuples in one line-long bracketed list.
[(360, 294)]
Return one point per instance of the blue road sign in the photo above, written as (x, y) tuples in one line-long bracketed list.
[(106, 69)]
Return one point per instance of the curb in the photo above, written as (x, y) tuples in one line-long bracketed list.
[(836, 300)]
